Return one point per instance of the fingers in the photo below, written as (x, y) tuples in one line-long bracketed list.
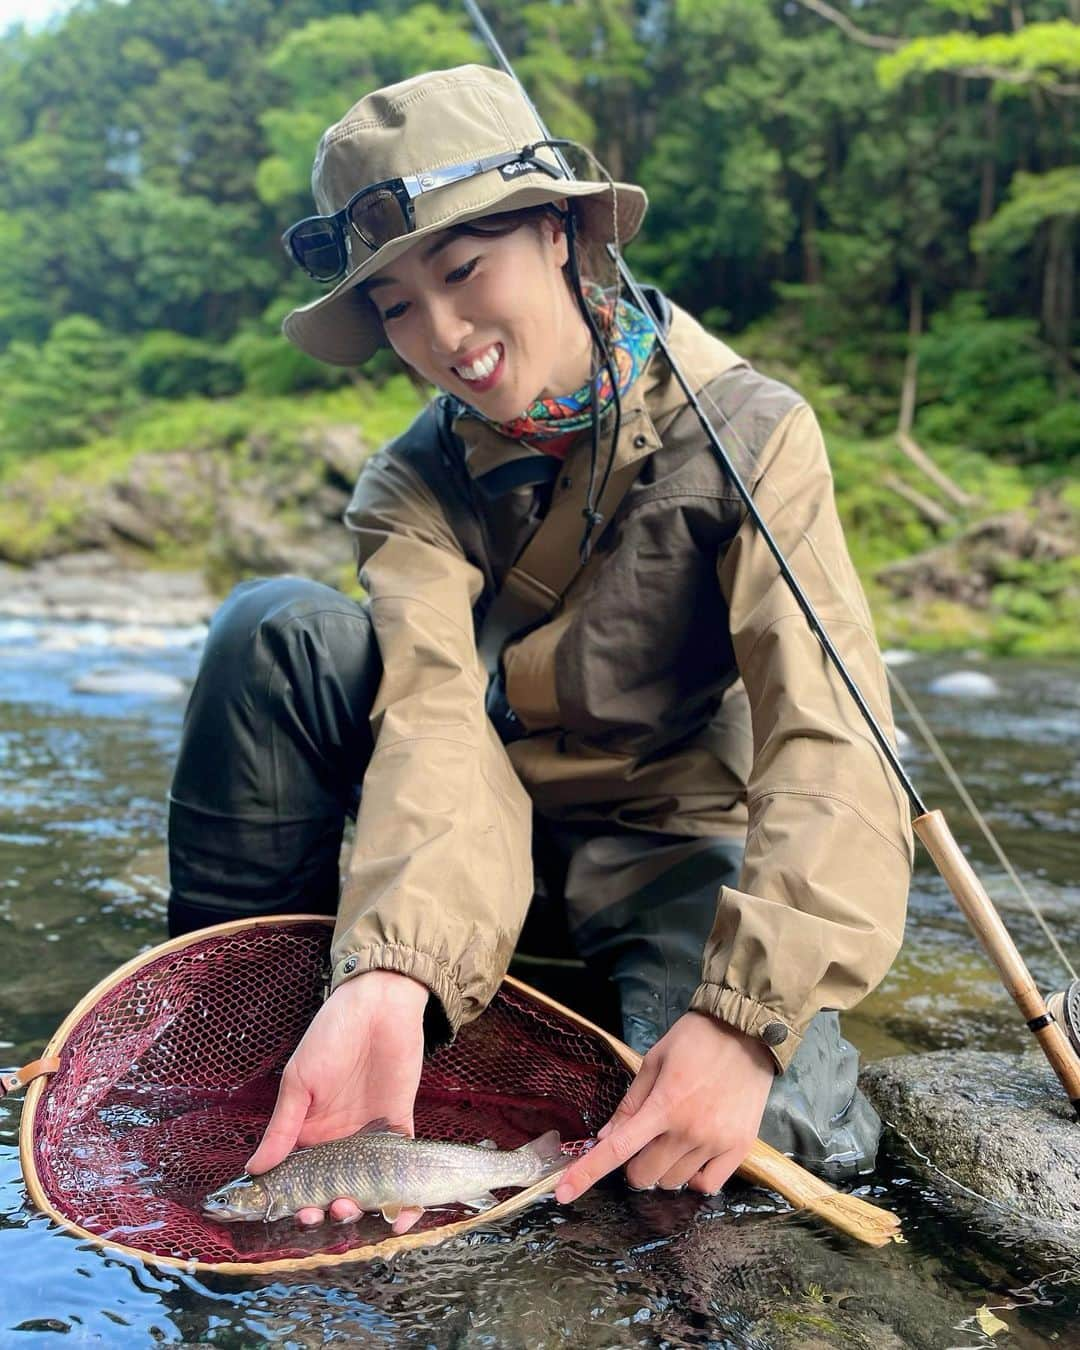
[(710, 1180), (644, 1171), (281, 1132), (345, 1210), (406, 1219), (614, 1150), (678, 1176), (636, 1095)]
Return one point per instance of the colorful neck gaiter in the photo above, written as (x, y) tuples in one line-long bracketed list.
[(630, 338)]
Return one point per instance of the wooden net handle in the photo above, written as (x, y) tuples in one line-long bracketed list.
[(765, 1165)]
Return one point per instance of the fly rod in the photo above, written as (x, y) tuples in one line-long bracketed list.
[(929, 825)]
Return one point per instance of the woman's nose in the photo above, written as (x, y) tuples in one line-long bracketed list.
[(448, 330)]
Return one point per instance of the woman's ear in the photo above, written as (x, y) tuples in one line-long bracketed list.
[(558, 232)]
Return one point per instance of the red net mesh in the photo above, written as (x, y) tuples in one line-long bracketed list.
[(166, 1082)]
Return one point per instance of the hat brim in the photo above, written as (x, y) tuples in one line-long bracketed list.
[(342, 327)]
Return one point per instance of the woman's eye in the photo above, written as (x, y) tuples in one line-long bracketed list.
[(460, 273), (395, 311)]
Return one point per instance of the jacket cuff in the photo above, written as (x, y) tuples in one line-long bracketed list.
[(444, 1013), (746, 1014)]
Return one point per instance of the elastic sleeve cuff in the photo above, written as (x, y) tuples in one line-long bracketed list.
[(445, 1010), (746, 1014)]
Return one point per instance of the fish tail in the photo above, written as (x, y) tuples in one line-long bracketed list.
[(547, 1150)]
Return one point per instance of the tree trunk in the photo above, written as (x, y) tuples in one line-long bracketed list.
[(911, 364), (810, 251), (1059, 281), (987, 183)]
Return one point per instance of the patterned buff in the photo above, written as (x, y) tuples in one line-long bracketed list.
[(630, 338)]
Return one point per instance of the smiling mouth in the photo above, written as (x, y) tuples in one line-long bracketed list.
[(486, 371)]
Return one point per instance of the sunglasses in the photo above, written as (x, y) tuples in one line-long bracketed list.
[(322, 245)]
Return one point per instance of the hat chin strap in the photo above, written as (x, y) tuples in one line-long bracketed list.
[(593, 517)]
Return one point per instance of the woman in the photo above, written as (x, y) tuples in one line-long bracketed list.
[(577, 661)]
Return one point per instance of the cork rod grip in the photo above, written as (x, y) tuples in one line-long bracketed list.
[(980, 912)]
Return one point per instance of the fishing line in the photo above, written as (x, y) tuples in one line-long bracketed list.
[(938, 751)]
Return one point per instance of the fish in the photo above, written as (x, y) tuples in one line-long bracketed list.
[(383, 1169)]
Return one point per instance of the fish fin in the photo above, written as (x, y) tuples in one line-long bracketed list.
[(547, 1150), (482, 1201), (390, 1212), (381, 1126), (487, 1143)]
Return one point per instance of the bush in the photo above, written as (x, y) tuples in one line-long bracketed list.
[(65, 391), (169, 365), (271, 365), (991, 384)]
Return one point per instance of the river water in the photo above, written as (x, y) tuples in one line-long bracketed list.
[(82, 818)]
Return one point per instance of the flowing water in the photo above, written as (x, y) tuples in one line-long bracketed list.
[(82, 818)]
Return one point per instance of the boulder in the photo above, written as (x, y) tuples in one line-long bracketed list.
[(996, 1124), (967, 568)]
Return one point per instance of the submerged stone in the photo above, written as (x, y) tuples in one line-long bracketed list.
[(116, 680), (965, 684)]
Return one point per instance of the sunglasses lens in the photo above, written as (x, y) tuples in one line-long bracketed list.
[(318, 249), (377, 218)]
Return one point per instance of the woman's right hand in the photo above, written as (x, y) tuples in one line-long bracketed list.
[(359, 1060)]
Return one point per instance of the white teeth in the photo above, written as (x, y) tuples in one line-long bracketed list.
[(481, 368)]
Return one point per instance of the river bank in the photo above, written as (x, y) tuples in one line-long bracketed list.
[(196, 495)]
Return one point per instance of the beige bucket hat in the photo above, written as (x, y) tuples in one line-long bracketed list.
[(441, 118)]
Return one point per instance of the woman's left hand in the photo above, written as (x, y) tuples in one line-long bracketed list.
[(690, 1116)]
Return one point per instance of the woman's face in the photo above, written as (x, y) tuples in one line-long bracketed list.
[(488, 318)]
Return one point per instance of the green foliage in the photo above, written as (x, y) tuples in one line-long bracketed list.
[(992, 384), (1041, 53), (65, 391), (168, 365), (271, 366), (1034, 199)]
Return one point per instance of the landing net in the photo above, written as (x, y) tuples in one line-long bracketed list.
[(169, 1071)]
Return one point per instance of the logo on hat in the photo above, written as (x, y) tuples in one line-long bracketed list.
[(509, 171)]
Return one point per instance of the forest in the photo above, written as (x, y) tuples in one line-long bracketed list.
[(877, 202)]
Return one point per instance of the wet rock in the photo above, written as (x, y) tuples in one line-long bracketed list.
[(997, 1124), (898, 656), (129, 681), (95, 586), (964, 684)]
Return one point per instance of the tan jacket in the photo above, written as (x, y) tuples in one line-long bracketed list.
[(678, 688)]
